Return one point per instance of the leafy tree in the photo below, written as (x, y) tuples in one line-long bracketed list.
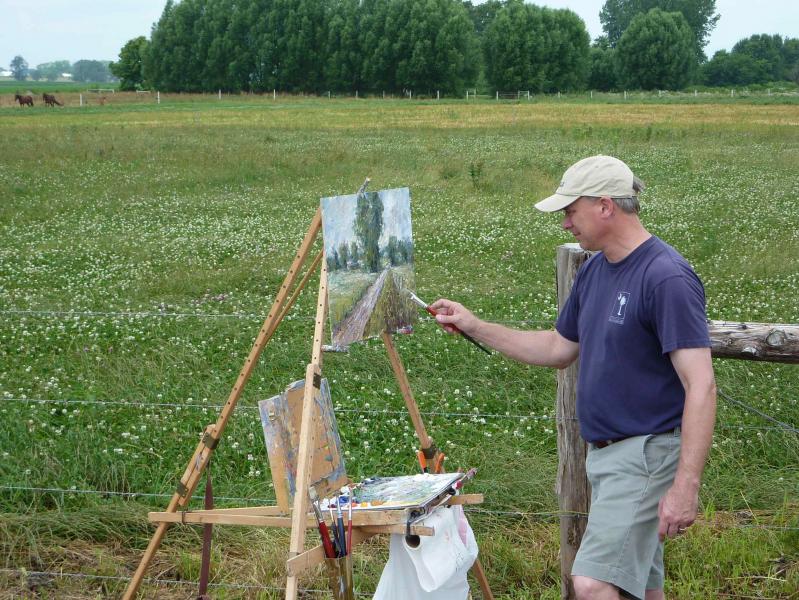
[(531, 48), (617, 15), (603, 75), (368, 227), (53, 70), (91, 70), (767, 50), (657, 51), (735, 68), (34, 74), (482, 14), (130, 66), (19, 68), (342, 69)]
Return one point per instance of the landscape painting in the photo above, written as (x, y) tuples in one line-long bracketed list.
[(369, 257)]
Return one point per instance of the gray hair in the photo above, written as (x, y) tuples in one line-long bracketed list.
[(629, 204)]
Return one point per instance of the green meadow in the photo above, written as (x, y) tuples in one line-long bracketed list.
[(142, 246)]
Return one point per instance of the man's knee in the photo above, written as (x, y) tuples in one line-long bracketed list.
[(587, 588)]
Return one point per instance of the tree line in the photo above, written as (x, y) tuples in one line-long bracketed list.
[(393, 46), (81, 70)]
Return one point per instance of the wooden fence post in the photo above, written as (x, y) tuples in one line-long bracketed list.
[(574, 493)]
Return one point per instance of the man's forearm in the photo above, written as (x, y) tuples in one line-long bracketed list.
[(542, 348), (699, 416)]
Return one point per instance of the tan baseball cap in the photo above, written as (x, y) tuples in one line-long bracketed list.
[(593, 176)]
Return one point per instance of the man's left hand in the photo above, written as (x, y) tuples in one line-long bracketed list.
[(677, 510)]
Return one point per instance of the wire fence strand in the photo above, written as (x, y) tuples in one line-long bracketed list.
[(377, 412)]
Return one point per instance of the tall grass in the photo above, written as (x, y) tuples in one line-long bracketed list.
[(143, 245)]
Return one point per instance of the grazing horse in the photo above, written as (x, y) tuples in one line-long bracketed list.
[(23, 100), (49, 100)]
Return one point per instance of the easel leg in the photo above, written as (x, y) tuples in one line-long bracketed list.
[(313, 383), (425, 440), (196, 466)]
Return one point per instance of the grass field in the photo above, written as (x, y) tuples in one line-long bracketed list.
[(142, 246)]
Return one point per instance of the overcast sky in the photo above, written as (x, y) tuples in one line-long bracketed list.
[(48, 30)]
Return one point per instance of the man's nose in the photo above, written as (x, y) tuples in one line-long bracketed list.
[(566, 223)]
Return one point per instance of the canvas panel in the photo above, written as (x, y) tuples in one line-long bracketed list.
[(368, 247), (281, 417)]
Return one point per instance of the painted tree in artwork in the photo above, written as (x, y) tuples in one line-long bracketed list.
[(344, 254), (368, 227)]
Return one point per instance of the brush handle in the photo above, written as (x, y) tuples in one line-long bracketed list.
[(326, 543), (466, 335)]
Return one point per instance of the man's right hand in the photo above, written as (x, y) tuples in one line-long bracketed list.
[(453, 316)]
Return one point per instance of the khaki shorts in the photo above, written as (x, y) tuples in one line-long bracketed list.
[(628, 478)]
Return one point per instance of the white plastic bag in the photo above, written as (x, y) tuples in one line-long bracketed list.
[(435, 569)]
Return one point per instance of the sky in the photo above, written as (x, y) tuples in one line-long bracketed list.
[(48, 30)]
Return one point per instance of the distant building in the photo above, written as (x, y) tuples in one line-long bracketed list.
[(66, 75), (4, 73)]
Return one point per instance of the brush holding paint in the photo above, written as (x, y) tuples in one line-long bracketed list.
[(426, 306)]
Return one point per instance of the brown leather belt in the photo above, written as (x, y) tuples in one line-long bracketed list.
[(605, 443)]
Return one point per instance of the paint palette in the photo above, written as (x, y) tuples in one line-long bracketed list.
[(410, 491)]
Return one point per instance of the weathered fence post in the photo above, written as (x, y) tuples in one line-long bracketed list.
[(574, 493)]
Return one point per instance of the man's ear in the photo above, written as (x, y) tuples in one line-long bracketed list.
[(606, 206)]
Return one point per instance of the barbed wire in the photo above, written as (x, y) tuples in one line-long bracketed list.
[(377, 412), (22, 572), (153, 314), (760, 413), (255, 408)]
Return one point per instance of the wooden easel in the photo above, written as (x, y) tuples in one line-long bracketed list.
[(365, 525)]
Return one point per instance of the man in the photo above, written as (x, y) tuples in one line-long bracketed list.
[(646, 395)]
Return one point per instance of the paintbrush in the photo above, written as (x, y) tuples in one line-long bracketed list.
[(323, 530), (340, 525), (349, 526), (426, 306)]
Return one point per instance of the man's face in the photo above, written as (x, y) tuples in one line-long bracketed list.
[(581, 219)]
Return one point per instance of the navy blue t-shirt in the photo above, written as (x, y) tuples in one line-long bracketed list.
[(627, 316)]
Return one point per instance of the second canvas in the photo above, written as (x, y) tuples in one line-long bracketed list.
[(369, 257)]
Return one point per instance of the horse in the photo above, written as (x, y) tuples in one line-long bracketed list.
[(49, 100), (23, 100)]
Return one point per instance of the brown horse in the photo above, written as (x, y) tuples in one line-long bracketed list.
[(23, 100), (49, 100)]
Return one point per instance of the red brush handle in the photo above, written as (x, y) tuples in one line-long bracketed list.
[(326, 543)]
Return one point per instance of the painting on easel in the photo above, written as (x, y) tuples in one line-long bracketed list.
[(369, 256)]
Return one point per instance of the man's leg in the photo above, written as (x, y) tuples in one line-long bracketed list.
[(655, 595), (619, 548), (593, 589)]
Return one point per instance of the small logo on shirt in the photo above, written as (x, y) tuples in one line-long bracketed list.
[(619, 307)]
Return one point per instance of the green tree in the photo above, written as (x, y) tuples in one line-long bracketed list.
[(531, 48), (482, 14), (51, 71), (603, 75), (91, 70), (767, 50), (726, 69), (617, 15), (657, 51), (130, 66), (368, 226), (19, 68)]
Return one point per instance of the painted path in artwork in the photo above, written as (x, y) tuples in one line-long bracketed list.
[(350, 328)]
